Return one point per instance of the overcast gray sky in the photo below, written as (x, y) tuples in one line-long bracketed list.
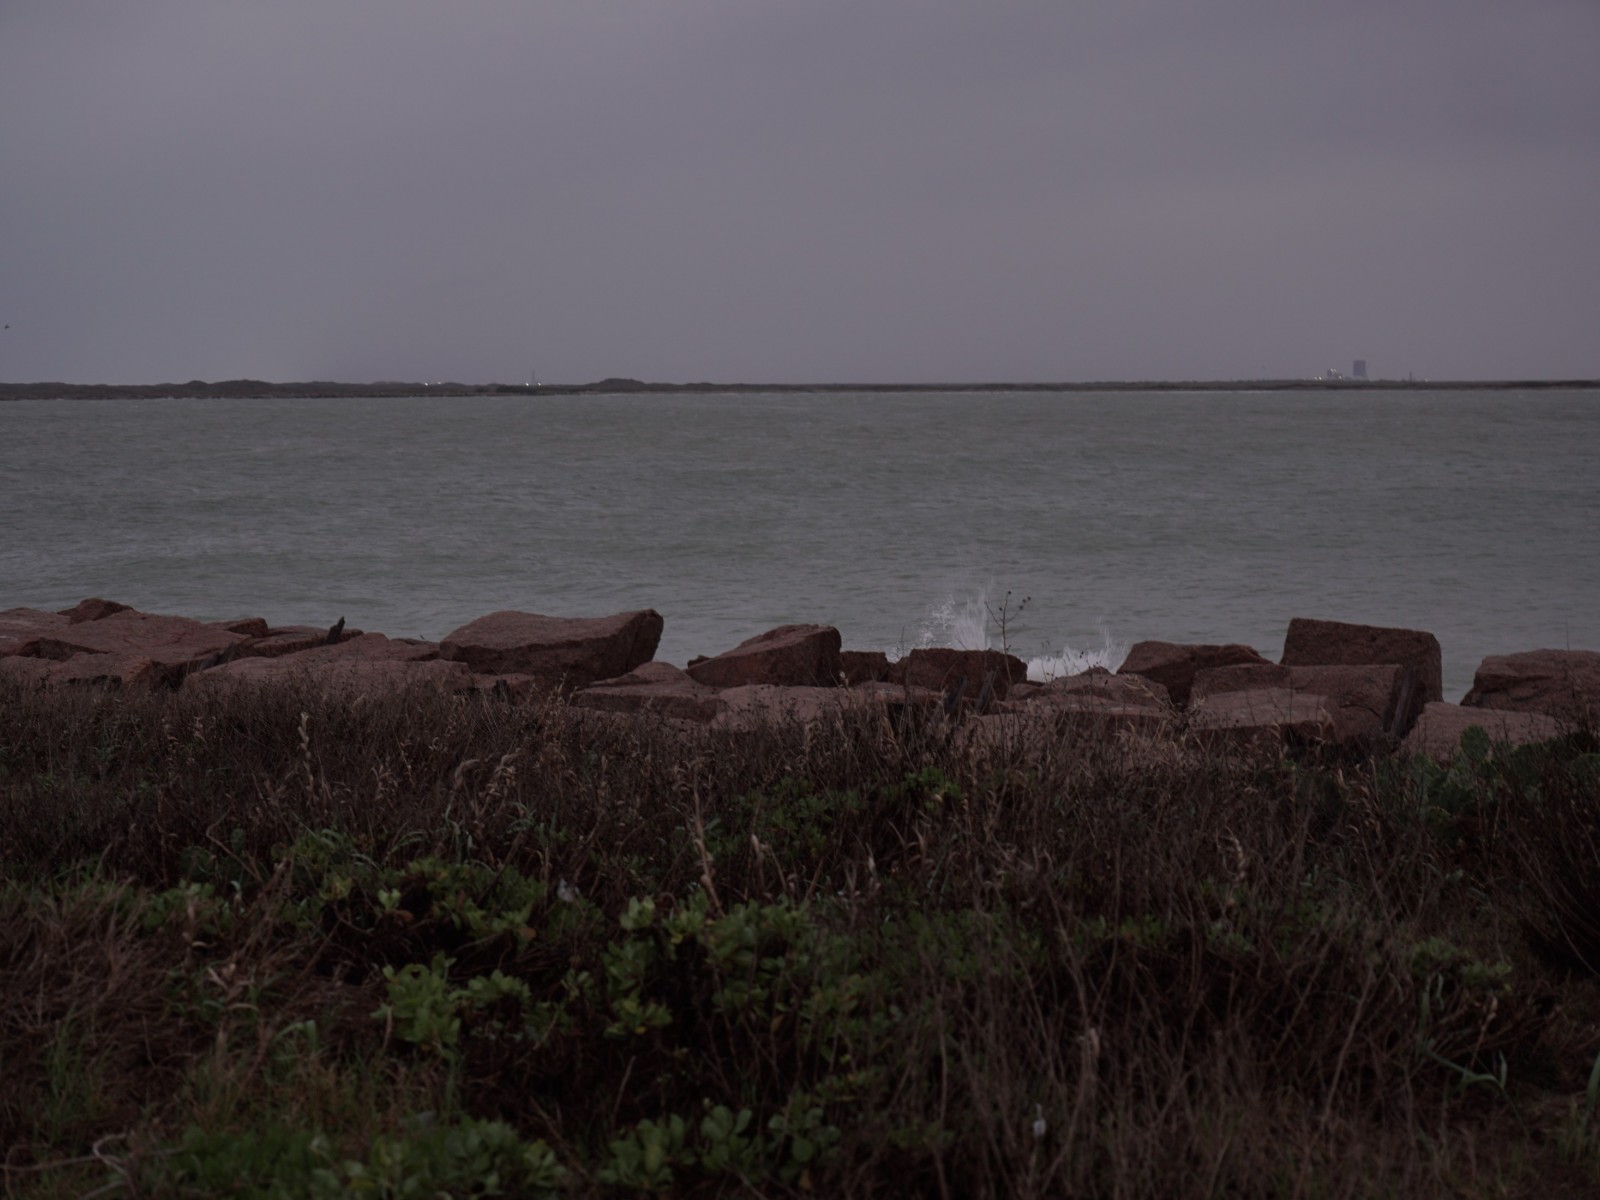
[(797, 190)]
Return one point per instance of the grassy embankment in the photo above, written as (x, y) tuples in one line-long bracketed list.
[(282, 946)]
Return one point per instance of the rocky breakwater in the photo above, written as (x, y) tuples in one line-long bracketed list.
[(111, 645), (1370, 688), (1366, 688)]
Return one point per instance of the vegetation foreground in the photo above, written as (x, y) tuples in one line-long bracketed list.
[(280, 945)]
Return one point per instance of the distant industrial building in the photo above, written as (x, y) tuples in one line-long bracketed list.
[(1359, 369)]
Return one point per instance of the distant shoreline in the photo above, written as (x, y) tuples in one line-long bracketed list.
[(254, 389)]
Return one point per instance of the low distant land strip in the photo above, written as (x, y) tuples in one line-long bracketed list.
[(255, 389)]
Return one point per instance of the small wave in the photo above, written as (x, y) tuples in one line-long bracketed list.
[(1070, 661), (972, 624)]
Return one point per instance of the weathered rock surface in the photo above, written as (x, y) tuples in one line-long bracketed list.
[(20, 627), (1362, 700), (94, 609), (572, 651), (941, 669), (173, 645), (655, 687), (1270, 715), (1335, 643), (364, 648), (788, 656), (1561, 683), (1438, 731), (1174, 664)]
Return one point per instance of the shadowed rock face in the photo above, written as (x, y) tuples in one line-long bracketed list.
[(1263, 714), (94, 609), (1335, 643), (788, 656), (1363, 701), (572, 651), (1174, 664), (1562, 683), (941, 669), (863, 666)]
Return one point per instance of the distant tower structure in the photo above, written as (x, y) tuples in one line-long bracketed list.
[(1359, 369)]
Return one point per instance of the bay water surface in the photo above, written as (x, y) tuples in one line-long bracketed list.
[(900, 518)]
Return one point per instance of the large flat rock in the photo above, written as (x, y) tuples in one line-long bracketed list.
[(1437, 733), (1560, 683), (788, 656), (1311, 643), (571, 651), (174, 646)]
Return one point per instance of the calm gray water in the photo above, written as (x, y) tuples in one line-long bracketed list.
[(1185, 516)]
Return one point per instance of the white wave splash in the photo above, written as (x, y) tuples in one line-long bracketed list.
[(973, 624)]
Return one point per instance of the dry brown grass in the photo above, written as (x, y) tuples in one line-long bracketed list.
[(1207, 973)]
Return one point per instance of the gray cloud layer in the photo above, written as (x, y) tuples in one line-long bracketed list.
[(861, 190)]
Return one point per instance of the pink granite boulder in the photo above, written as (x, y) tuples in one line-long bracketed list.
[(174, 646), (21, 627), (1174, 664), (788, 656), (364, 648), (571, 651), (1437, 733), (1561, 683), (1312, 643)]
